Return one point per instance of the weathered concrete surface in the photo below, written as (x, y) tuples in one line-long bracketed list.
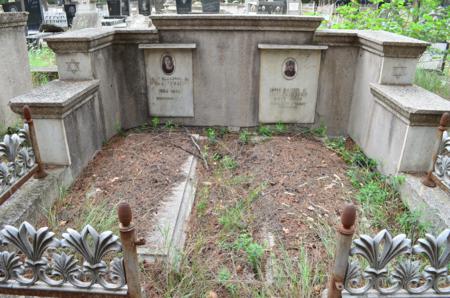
[(401, 133), (432, 204), (167, 238), (35, 198), (66, 115), (14, 66)]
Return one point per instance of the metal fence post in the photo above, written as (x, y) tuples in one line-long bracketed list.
[(343, 245), (428, 180), (129, 243), (40, 173)]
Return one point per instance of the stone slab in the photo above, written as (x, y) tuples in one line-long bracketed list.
[(432, 204), (169, 232), (288, 95), (55, 98), (86, 19), (34, 198), (398, 71), (170, 81), (413, 104)]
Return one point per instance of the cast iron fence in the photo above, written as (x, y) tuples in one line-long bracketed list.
[(387, 265), (19, 158), (37, 263)]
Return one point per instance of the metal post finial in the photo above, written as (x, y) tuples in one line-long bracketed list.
[(445, 121), (348, 218), (124, 213)]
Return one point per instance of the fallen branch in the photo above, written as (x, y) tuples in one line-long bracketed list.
[(205, 162)]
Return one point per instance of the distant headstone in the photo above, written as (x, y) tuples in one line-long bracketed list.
[(118, 7), (184, 6), (70, 10), (211, 6), (86, 19), (144, 7), (35, 16), (56, 18), (272, 7), (293, 7), (12, 6)]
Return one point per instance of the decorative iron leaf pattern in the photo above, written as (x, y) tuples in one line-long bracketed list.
[(442, 166), (16, 158), (45, 258), (385, 253)]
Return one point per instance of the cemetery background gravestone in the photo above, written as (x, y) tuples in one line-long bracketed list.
[(12, 6), (35, 17), (184, 6), (56, 18), (70, 10), (118, 7), (211, 6), (145, 7)]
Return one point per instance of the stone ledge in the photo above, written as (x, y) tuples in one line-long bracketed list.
[(158, 46), (236, 22), (13, 19), (290, 47), (412, 104), (337, 37), (55, 99), (92, 39)]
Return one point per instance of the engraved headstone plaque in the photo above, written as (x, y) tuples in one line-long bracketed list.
[(289, 78), (169, 79)]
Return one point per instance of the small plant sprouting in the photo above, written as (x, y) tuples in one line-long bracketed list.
[(119, 130), (253, 250), (155, 122), (211, 135), (169, 125), (320, 131), (244, 136), (280, 128), (264, 131), (224, 276), (228, 163)]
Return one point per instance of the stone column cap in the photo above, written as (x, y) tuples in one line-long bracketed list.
[(413, 104), (92, 39), (236, 22), (391, 45), (55, 99), (13, 19)]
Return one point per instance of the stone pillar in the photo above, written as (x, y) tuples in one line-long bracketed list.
[(14, 67)]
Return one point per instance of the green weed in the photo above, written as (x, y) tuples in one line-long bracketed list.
[(264, 131), (228, 162), (155, 122), (211, 135), (169, 124), (244, 136), (320, 131), (280, 128)]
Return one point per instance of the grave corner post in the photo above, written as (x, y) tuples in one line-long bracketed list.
[(40, 172), (345, 233), (129, 244), (443, 124)]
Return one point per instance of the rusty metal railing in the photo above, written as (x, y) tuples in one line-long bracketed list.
[(19, 158), (39, 264)]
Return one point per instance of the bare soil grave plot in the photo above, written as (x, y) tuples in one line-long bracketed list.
[(262, 211), (140, 168)]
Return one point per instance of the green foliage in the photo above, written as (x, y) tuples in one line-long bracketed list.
[(253, 250), (155, 122), (228, 163), (427, 21), (233, 218), (264, 131), (170, 125), (378, 194), (224, 277), (41, 57), (42, 78), (320, 131), (203, 200), (211, 135), (280, 128), (434, 81), (244, 136)]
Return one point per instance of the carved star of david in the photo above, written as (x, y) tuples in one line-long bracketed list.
[(398, 71), (73, 66)]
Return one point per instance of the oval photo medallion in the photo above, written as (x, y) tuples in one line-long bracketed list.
[(289, 68), (167, 64)]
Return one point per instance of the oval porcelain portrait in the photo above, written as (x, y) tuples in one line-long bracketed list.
[(167, 64), (289, 68)]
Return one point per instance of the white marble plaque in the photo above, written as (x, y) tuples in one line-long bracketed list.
[(289, 77), (169, 79)]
